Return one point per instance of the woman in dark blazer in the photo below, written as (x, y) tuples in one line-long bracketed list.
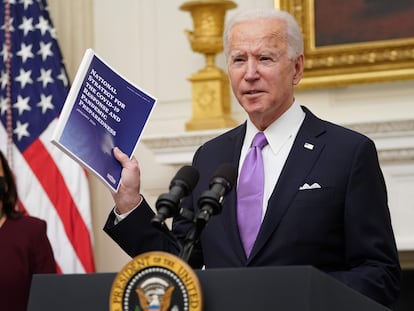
[(24, 247)]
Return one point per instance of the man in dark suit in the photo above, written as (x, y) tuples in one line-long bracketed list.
[(324, 197)]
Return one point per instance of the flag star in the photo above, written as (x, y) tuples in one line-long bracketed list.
[(45, 77), (26, 3), (22, 104), (11, 28), (43, 25), (25, 52), (3, 105), (24, 77), (45, 103), (3, 79), (21, 130), (45, 50), (26, 25), (4, 53), (53, 32), (62, 76)]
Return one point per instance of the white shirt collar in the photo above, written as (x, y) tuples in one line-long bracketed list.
[(278, 133)]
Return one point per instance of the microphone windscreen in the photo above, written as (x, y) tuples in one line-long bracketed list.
[(188, 175), (228, 172)]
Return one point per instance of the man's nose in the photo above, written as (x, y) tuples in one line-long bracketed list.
[(251, 70)]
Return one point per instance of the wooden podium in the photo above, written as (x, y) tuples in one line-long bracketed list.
[(290, 288)]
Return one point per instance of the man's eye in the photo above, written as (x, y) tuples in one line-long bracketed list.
[(238, 60), (265, 58)]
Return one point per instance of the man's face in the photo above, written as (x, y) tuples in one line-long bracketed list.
[(261, 74)]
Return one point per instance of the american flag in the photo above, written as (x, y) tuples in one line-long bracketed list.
[(33, 88)]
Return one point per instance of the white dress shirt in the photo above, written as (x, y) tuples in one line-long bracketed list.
[(280, 136)]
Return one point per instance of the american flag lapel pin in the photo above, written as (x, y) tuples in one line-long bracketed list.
[(308, 146)]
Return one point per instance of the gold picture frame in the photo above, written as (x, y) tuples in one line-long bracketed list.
[(332, 65)]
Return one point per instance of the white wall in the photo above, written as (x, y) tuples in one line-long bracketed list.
[(145, 41)]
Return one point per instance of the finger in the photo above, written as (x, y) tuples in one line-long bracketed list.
[(119, 155)]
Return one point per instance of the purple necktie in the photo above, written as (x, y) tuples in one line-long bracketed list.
[(250, 193)]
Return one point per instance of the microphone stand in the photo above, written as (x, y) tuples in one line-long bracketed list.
[(189, 242), (210, 205)]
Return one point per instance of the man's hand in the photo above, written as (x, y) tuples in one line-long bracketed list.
[(128, 195)]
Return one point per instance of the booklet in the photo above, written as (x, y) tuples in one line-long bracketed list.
[(102, 111)]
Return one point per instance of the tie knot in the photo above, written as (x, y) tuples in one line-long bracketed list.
[(259, 140)]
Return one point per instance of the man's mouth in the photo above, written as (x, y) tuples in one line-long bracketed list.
[(252, 92)]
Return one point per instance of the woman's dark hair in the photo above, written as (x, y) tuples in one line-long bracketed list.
[(10, 199)]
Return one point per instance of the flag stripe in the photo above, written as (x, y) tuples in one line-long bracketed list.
[(50, 178), (73, 175)]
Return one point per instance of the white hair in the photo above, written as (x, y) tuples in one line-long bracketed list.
[(293, 32)]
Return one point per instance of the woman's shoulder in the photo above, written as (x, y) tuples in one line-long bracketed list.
[(30, 222)]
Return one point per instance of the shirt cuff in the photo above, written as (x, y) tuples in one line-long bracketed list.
[(119, 217)]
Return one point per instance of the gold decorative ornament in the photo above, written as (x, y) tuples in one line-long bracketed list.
[(210, 87)]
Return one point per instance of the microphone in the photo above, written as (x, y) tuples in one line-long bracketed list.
[(181, 185), (210, 201)]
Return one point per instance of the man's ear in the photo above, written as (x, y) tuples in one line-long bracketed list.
[(299, 66)]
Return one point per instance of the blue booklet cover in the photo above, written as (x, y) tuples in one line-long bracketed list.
[(102, 111)]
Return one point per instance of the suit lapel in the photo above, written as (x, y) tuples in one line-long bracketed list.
[(229, 212), (305, 152)]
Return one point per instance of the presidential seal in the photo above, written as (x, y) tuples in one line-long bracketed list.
[(156, 281)]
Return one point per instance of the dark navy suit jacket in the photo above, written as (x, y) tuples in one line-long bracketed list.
[(342, 228)]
